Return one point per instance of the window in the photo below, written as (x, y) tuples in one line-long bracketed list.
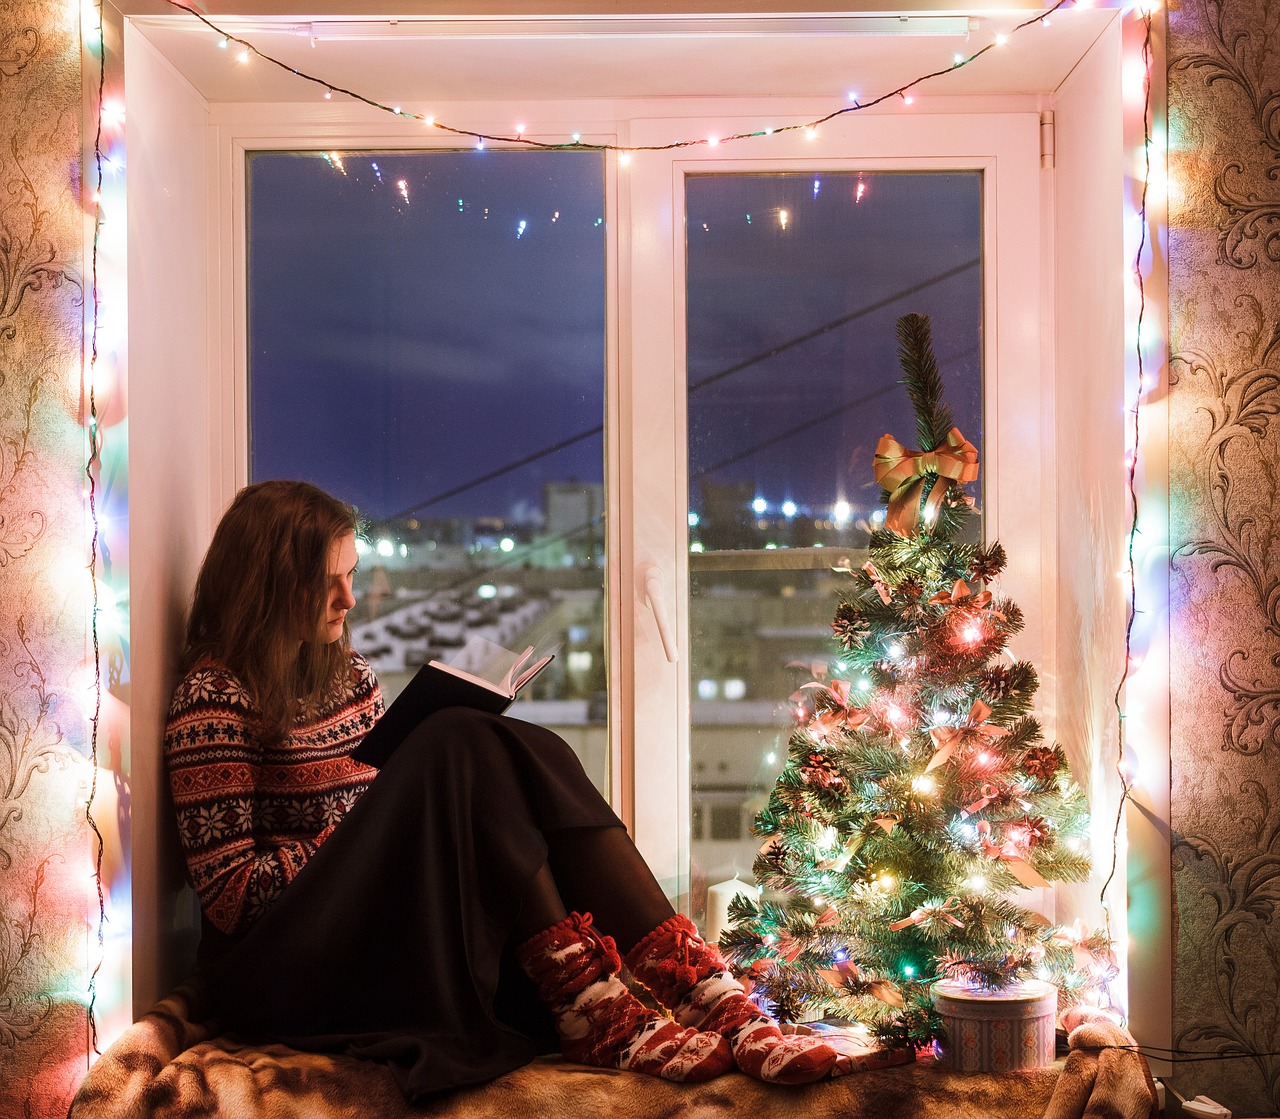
[(794, 283), (1047, 255), (650, 697), (426, 340), (954, 234)]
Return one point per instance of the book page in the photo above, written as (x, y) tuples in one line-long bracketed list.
[(488, 661)]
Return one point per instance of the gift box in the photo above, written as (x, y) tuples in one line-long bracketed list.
[(998, 1030)]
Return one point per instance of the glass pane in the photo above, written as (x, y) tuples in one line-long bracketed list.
[(795, 283), (427, 341)]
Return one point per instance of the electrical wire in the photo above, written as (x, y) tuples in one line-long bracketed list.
[(737, 367), (93, 463), (577, 144)]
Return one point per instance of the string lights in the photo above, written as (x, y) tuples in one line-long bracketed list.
[(518, 139), (903, 93), (91, 467)]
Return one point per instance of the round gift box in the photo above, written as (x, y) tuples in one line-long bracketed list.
[(1000, 1030)]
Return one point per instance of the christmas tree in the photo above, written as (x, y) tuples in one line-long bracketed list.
[(919, 802)]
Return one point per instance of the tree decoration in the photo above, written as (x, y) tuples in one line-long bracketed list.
[(918, 802)]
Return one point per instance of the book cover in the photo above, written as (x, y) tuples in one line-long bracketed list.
[(437, 685)]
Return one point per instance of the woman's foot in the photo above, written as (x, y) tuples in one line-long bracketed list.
[(691, 977), (599, 1021)]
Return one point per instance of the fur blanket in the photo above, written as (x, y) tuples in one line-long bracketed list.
[(170, 1066)]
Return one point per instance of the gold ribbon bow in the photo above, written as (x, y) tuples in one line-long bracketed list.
[(986, 795), (786, 947), (930, 913), (1008, 853), (958, 594), (842, 714), (903, 473), (948, 739), (877, 581), (888, 821)]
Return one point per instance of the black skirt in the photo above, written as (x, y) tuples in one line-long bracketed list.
[(394, 942)]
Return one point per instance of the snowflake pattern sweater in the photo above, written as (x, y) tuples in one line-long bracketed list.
[(250, 816)]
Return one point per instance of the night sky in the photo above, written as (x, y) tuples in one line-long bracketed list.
[(400, 348), (848, 243)]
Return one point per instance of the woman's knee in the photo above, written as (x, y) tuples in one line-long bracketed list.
[(452, 738)]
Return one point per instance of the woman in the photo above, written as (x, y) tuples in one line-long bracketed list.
[(435, 914)]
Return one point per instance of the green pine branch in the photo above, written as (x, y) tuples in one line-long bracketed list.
[(923, 381)]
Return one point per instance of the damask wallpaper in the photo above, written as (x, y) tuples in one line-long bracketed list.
[(1224, 259), (45, 854)]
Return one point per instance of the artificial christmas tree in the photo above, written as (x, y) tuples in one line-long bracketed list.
[(919, 802)]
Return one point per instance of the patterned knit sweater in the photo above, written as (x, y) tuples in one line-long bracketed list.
[(250, 816)]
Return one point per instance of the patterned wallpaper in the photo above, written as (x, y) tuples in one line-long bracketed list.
[(1224, 256), (44, 849)]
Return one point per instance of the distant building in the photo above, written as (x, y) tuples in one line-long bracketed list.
[(575, 525)]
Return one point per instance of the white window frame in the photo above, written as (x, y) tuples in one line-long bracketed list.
[(1017, 437), (646, 450), (187, 454)]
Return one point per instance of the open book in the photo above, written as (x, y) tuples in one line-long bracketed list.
[(490, 686)]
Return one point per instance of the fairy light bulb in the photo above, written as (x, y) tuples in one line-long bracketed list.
[(896, 651), (782, 218), (1001, 40), (242, 57), (972, 633), (985, 758), (624, 159), (924, 785), (977, 883)]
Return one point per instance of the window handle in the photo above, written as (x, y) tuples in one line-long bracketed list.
[(653, 596)]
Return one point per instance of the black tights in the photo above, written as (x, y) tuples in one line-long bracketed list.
[(596, 870)]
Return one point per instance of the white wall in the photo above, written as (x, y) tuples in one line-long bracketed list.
[(1089, 302), (169, 448)]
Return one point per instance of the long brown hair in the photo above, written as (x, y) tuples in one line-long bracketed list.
[(260, 597)]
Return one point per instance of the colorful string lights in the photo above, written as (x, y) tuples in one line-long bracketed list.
[(518, 138), (904, 93)]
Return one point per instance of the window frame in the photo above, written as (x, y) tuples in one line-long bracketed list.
[(645, 419), (1017, 489)]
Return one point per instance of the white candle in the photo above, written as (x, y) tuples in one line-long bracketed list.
[(718, 898)]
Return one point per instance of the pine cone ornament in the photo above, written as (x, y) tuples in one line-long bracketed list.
[(1040, 763), (1035, 829), (987, 563), (996, 684), (818, 770)]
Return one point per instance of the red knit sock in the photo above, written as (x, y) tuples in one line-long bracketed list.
[(691, 977), (599, 1021)]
